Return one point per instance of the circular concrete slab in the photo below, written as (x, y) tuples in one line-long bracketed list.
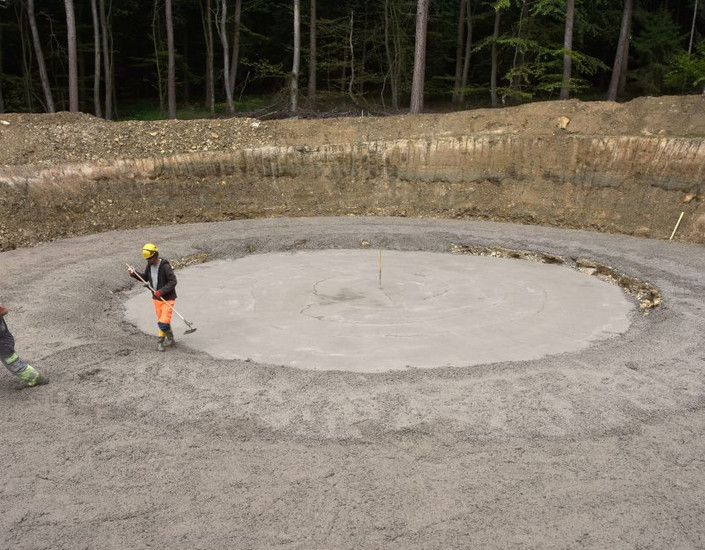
[(362, 310)]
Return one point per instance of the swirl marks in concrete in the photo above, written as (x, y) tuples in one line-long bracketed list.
[(374, 311)]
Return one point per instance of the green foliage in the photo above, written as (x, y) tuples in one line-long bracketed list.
[(332, 47), (658, 38), (657, 41), (149, 110), (261, 68), (551, 8), (546, 74), (586, 64), (12, 87), (687, 71), (511, 94), (141, 110), (529, 49)]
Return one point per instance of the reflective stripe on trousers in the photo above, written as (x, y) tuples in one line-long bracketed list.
[(15, 364)]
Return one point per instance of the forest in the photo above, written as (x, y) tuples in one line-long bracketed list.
[(196, 58)]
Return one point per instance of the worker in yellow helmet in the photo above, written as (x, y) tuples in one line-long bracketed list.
[(160, 276)]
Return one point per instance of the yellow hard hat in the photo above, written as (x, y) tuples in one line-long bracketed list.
[(149, 250)]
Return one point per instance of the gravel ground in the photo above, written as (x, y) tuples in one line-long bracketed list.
[(129, 448)]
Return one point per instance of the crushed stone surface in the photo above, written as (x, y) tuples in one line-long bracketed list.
[(131, 448)]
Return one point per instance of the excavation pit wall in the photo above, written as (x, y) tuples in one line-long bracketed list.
[(619, 184)]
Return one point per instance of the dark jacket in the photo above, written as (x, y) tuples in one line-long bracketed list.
[(166, 280)]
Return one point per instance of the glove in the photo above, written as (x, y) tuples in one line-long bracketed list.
[(130, 270), (3, 310), (157, 294)]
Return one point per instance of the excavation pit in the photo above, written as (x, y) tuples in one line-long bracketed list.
[(593, 448), (385, 310)]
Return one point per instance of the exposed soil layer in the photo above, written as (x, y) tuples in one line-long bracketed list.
[(621, 168)]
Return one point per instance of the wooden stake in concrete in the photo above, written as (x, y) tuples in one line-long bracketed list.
[(380, 268), (676, 227)]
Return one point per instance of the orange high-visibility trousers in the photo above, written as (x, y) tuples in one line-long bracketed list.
[(164, 314)]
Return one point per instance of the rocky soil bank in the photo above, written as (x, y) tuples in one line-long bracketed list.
[(622, 168)]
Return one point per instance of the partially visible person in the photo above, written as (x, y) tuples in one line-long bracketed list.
[(162, 279), (14, 363)]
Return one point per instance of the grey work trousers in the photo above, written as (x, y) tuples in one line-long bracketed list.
[(13, 362)]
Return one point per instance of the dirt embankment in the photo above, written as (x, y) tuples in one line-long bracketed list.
[(625, 168)]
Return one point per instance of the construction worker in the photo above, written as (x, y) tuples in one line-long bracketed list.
[(162, 280), (14, 363)]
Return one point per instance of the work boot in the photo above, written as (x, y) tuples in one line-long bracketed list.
[(31, 376), (170, 341), (160, 345)]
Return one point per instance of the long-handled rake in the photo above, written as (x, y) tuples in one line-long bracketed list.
[(190, 326)]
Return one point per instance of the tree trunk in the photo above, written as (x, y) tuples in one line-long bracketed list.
[(107, 59), (622, 52), (83, 74), (236, 47), (157, 54), (518, 61), (418, 80), (210, 72), (171, 66), (97, 104), (363, 52), (312, 48), (26, 60), (460, 39), (692, 28), (223, 34), (73, 56), (493, 72), (568, 48), (294, 84), (352, 59), (468, 50), (392, 51), (48, 98)]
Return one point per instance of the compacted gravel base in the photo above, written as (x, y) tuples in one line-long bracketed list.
[(131, 448)]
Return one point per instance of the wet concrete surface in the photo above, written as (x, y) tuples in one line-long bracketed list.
[(379, 310), (131, 448)]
